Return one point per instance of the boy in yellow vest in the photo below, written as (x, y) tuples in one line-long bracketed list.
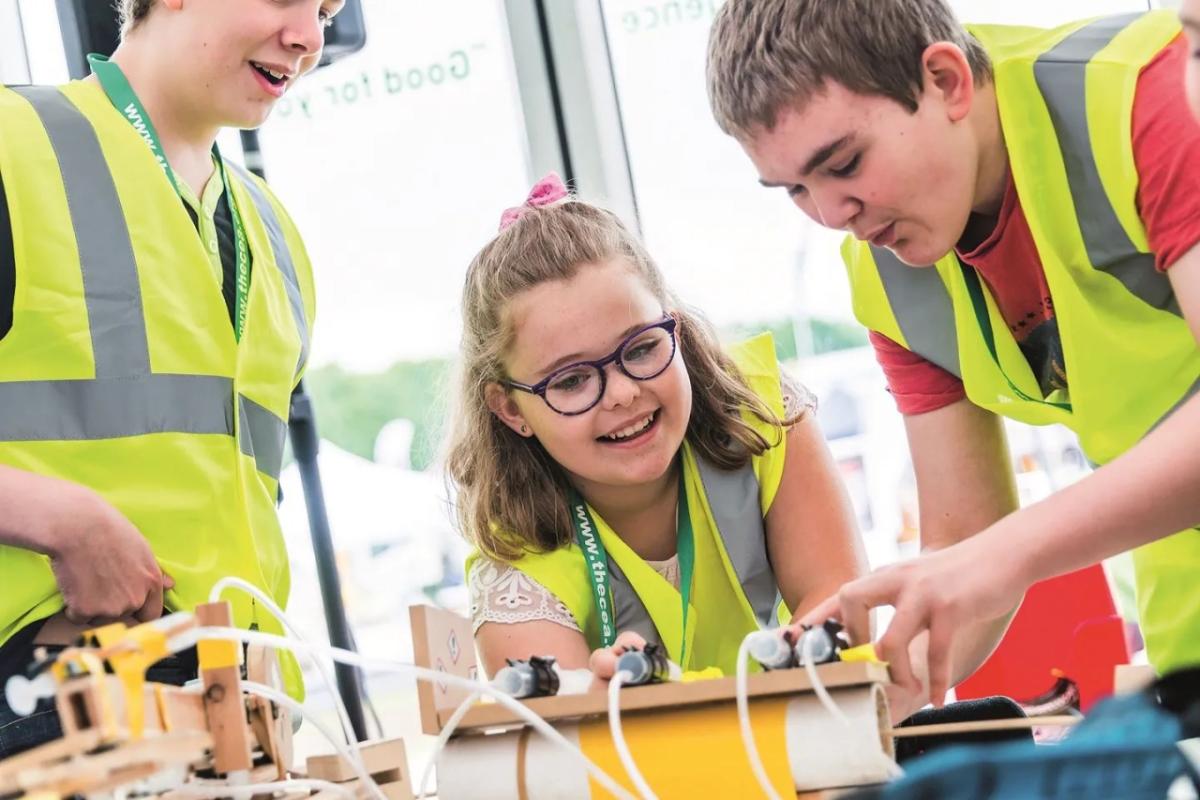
[(155, 314), (1023, 214)]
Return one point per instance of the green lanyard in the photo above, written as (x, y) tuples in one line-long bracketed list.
[(597, 558), (979, 305), (123, 98)]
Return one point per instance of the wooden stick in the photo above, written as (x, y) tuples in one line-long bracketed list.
[(978, 726)]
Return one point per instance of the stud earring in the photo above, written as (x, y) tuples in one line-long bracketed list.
[(524, 430)]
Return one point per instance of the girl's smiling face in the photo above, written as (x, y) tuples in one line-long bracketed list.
[(632, 435)]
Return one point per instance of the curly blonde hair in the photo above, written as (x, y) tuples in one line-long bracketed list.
[(511, 494)]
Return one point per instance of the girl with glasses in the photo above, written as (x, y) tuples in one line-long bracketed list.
[(618, 472)]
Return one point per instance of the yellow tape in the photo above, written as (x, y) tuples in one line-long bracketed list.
[(864, 652), (151, 641), (217, 653), (707, 674), (107, 635)]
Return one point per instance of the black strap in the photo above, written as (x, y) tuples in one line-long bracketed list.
[(1179, 693), (8, 266), (226, 247)]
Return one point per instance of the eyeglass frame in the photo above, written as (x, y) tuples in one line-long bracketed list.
[(669, 324)]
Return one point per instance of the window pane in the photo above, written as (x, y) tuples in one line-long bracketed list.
[(396, 163), (1040, 13)]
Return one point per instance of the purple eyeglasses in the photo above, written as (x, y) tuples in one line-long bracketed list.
[(577, 388)]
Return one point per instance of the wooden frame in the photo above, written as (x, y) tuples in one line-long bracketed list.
[(443, 641), (435, 629)]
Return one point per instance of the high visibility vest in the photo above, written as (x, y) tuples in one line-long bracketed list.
[(734, 590), (1065, 98), (121, 371)]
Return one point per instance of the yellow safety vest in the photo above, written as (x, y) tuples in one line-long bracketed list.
[(734, 587), (1065, 98), (121, 371)]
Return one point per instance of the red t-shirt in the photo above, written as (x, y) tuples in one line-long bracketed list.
[(1166, 150)]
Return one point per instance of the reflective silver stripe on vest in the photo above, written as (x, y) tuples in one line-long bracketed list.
[(283, 258), (124, 399), (923, 309), (110, 281), (733, 498), (1188, 395), (262, 436), (1061, 75), (631, 612), (75, 410)]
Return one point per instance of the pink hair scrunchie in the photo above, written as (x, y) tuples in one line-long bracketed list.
[(547, 191)]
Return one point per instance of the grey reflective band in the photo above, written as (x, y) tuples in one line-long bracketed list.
[(78, 410), (283, 259), (1061, 75), (262, 436), (112, 292), (631, 612), (923, 309), (125, 399), (733, 497), (1188, 395)]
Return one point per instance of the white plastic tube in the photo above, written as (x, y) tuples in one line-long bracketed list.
[(276, 696), (618, 735), (231, 582), (351, 753), (818, 685), (188, 638), (742, 695), (217, 790)]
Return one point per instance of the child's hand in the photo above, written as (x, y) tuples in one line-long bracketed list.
[(603, 662)]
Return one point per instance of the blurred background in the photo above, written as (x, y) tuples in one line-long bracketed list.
[(396, 163)]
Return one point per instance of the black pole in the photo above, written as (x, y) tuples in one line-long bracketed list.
[(302, 426), (302, 429)]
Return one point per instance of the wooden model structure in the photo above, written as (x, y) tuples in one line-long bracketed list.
[(121, 732), (684, 737)]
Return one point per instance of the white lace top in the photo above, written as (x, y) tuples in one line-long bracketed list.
[(502, 593)]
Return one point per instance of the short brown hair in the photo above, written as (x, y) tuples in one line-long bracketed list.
[(511, 496), (764, 55), (131, 12)]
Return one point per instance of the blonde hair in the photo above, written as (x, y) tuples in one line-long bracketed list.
[(765, 55), (131, 12), (511, 495)]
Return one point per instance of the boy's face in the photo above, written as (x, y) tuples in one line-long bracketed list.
[(866, 165), (226, 48), (1189, 12)]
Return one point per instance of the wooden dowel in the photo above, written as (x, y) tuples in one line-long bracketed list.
[(977, 726)]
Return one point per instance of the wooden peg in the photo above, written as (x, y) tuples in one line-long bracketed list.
[(220, 671)]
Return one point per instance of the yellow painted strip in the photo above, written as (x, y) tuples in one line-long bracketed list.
[(715, 764), (151, 641), (214, 653)]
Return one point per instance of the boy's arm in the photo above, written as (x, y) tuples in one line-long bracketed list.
[(964, 484), (1145, 494)]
